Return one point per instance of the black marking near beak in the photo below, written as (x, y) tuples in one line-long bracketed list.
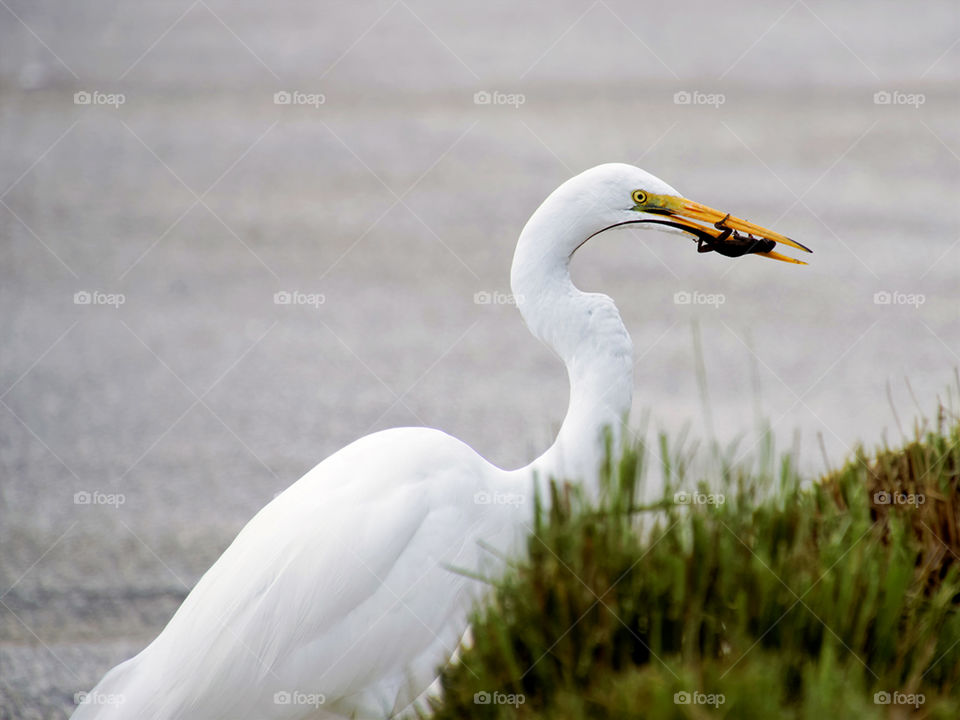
[(731, 243), (720, 239), (728, 242)]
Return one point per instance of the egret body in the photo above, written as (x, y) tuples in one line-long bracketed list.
[(339, 598)]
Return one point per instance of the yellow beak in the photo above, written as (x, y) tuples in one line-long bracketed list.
[(720, 226)]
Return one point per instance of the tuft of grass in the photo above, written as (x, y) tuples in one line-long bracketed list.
[(780, 601), (923, 478)]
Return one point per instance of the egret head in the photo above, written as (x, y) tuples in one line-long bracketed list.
[(609, 196), (621, 194)]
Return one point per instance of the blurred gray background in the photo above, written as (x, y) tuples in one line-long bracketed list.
[(398, 199)]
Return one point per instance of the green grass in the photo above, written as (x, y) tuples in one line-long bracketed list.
[(784, 601)]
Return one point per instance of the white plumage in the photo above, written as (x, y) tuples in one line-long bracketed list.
[(338, 599), (340, 587)]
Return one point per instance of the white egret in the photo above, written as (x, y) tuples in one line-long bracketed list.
[(338, 598)]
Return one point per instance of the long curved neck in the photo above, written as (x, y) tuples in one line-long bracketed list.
[(586, 331)]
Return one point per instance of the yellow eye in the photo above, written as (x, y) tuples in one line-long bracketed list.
[(639, 197)]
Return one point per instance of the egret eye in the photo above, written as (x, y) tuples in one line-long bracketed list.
[(639, 197)]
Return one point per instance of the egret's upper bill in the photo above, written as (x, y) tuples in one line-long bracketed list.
[(716, 230)]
